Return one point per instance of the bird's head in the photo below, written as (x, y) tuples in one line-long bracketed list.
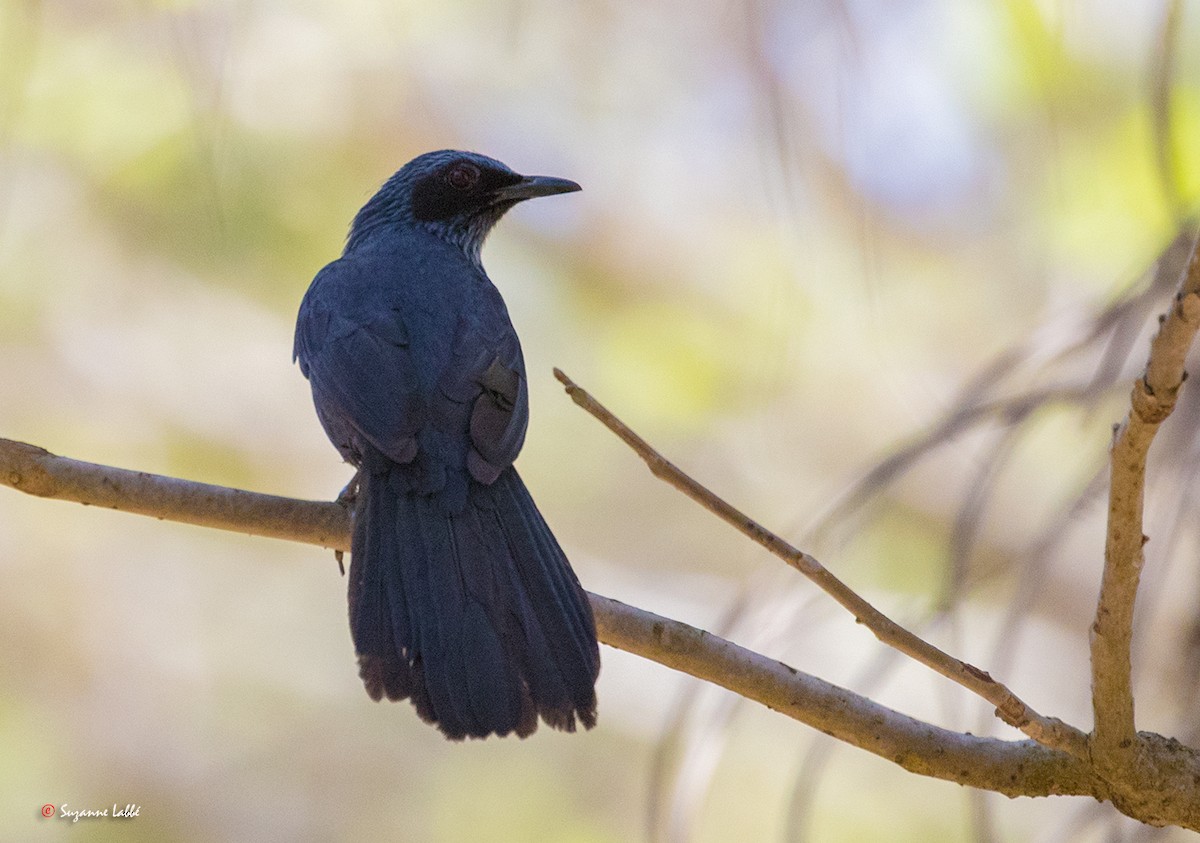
[(458, 196)]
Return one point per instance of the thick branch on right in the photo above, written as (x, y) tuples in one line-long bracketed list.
[(1114, 739)]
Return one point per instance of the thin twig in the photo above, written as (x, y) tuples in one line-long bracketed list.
[(978, 491), (1162, 85), (1152, 400), (971, 411), (1048, 731)]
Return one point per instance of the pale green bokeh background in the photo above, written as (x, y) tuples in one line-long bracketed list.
[(803, 226)]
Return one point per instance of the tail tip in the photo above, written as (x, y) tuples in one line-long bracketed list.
[(383, 678)]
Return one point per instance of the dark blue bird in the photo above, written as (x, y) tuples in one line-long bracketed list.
[(460, 597)]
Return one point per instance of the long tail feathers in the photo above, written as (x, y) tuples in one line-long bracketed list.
[(476, 616)]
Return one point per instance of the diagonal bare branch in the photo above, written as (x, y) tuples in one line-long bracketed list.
[(1048, 731)]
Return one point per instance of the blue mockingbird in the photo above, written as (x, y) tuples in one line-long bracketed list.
[(460, 597)]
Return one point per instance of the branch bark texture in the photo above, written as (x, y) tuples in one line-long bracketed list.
[(1114, 743)]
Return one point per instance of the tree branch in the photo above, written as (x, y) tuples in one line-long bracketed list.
[(1014, 768), (1048, 731), (36, 471), (1166, 790), (1152, 400), (916, 746)]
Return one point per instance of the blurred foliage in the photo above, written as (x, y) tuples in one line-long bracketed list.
[(804, 227)]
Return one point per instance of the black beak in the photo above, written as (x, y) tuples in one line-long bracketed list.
[(530, 187)]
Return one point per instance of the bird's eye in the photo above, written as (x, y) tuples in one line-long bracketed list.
[(463, 176)]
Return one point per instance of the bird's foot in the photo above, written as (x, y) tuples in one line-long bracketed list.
[(348, 497)]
